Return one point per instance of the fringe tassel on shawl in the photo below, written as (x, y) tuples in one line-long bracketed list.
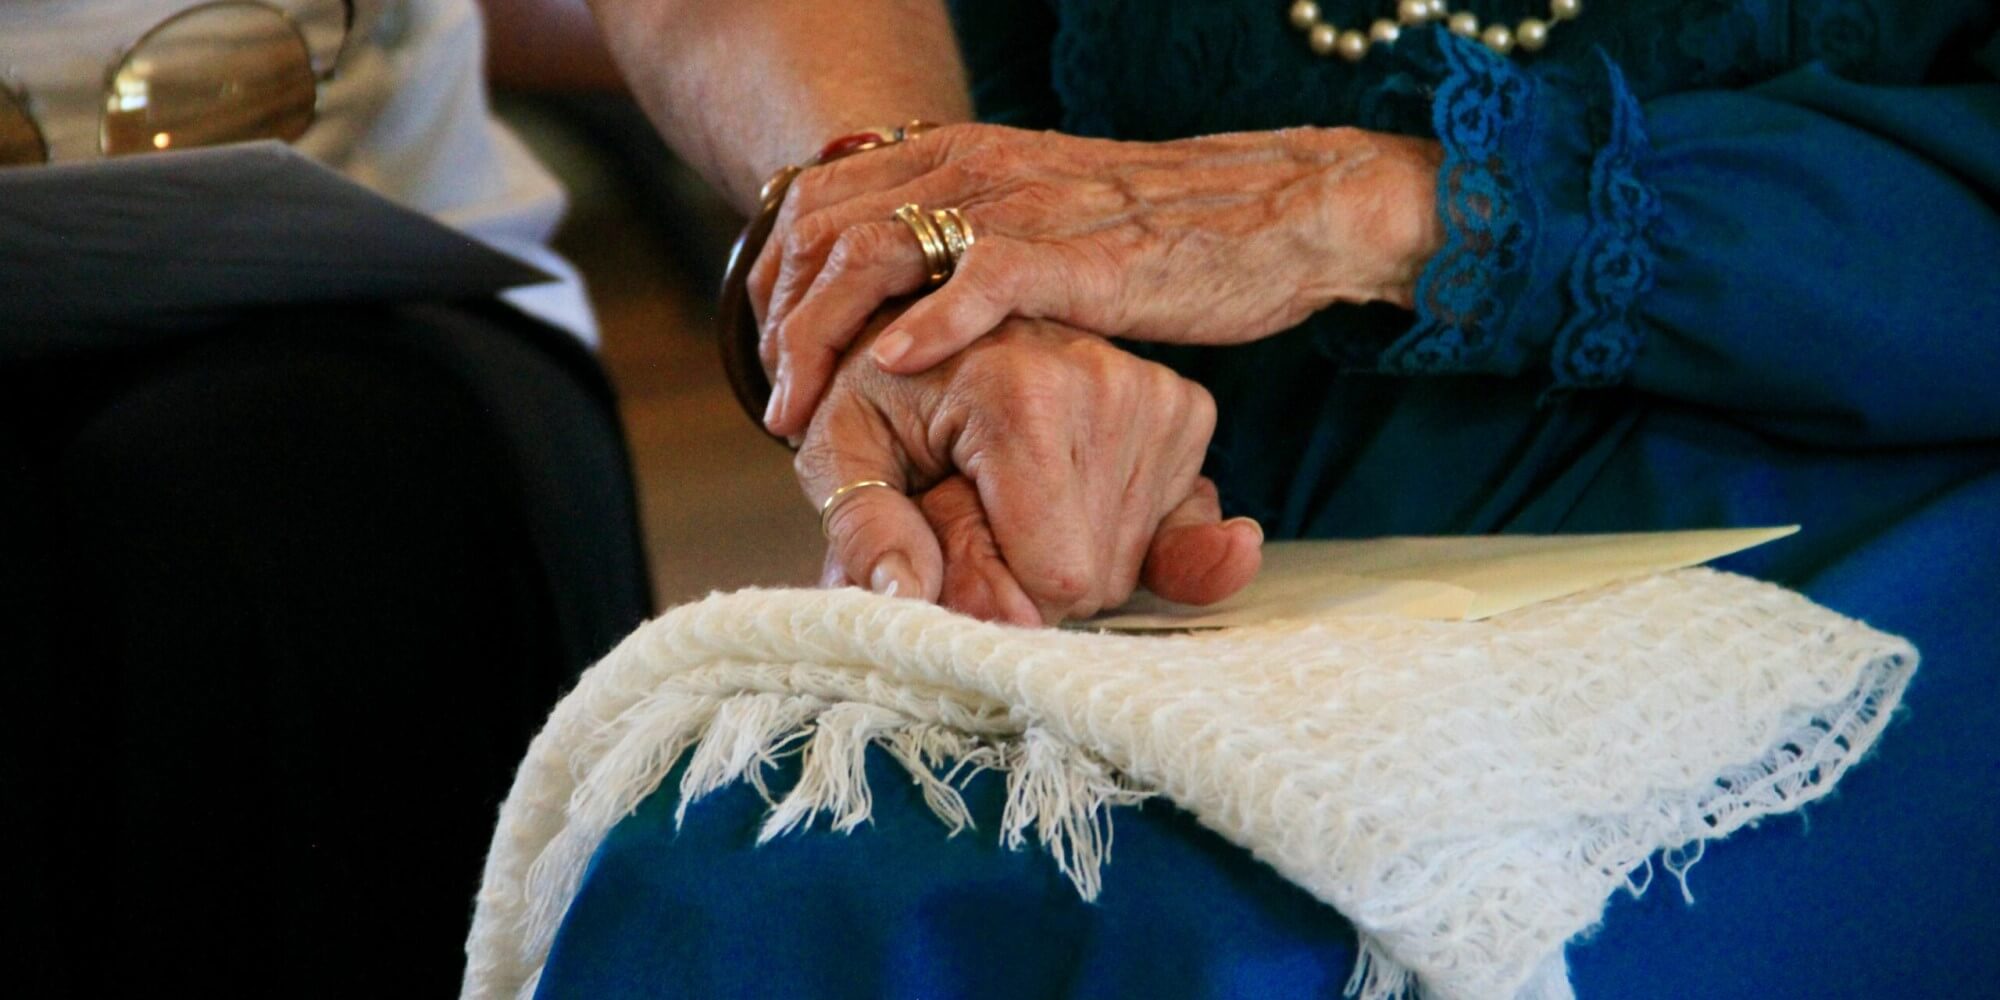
[(1063, 794), (1376, 976)]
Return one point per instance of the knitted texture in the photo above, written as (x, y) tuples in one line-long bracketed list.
[(1468, 795)]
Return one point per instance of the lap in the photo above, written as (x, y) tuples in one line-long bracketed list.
[(295, 593), (1886, 889)]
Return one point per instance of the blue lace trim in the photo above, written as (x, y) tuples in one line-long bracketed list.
[(1484, 115), (1616, 263), (1481, 115)]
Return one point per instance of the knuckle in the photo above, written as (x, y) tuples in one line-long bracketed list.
[(987, 164), (810, 465), (807, 239), (1029, 377), (848, 252), (789, 337), (1064, 585), (856, 248), (806, 189)]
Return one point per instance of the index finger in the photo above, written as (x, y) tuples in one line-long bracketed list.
[(849, 468), (831, 183)]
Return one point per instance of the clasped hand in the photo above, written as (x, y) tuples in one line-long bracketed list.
[(1054, 471), (1050, 473)]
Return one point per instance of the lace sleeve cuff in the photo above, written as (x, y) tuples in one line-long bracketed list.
[(1548, 220)]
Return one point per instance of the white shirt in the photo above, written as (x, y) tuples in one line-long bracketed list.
[(405, 114)]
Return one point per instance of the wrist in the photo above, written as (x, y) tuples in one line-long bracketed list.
[(1375, 225), (1414, 231)]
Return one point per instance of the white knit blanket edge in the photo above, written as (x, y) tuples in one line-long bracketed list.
[(738, 680)]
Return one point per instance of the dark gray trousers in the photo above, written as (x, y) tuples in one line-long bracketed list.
[(281, 604)]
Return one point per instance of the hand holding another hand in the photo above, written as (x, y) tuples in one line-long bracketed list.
[(1052, 473)]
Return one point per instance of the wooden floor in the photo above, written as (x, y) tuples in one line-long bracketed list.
[(720, 507)]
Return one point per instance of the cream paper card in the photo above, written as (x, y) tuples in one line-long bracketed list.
[(1454, 579)]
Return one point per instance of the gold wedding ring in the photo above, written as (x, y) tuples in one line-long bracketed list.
[(834, 499), (944, 235), (937, 258)]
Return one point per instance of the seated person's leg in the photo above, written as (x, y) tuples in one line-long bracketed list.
[(1891, 885), (1886, 890), (897, 909), (325, 574)]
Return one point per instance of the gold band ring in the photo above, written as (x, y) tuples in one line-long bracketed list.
[(956, 231), (833, 501), (937, 259)]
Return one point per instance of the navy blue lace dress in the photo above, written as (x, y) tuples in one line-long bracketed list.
[(1710, 262)]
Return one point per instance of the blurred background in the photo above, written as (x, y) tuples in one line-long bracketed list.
[(718, 502)]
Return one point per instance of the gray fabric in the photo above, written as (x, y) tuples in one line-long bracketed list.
[(109, 252)]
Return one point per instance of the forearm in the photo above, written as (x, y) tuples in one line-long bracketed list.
[(744, 87), (546, 45)]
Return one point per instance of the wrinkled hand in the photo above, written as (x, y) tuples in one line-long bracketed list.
[(1221, 239), (1052, 471)]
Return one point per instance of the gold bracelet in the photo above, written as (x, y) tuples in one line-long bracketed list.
[(736, 324)]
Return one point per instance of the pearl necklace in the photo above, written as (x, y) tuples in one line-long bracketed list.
[(1327, 39)]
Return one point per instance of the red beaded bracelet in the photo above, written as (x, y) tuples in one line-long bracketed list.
[(736, 324)]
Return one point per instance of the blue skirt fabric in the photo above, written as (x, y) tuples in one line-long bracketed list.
[(1889, 887)]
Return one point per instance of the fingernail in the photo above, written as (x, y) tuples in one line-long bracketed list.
[(891, 347), (1254, 526), (777, 403), (892, 577)]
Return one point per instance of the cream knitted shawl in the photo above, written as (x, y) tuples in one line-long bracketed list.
[(1467, 794)]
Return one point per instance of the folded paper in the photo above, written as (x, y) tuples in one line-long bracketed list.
[(1453, 579)]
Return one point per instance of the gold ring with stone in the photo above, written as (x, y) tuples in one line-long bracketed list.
[(834, 499), (937, 259), (957, 233)]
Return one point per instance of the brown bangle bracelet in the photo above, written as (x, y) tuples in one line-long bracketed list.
[(736, 332)]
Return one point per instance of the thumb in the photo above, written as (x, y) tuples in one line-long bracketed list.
[(1196, 557), (876, 536)]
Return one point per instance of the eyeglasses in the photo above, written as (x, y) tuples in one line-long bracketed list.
[(225, 71)]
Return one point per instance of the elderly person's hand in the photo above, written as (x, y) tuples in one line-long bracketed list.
[(1054, 472), (1222, 239)]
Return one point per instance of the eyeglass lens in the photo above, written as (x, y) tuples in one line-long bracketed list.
[(222, 72), (20, 141)]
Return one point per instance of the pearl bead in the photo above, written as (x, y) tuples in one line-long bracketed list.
[(1321, 38), (1353, 45), (1531, 34)]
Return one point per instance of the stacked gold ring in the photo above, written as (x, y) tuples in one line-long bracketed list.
[(956, 231), (937, 258), (736, 324), (944, 235)]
